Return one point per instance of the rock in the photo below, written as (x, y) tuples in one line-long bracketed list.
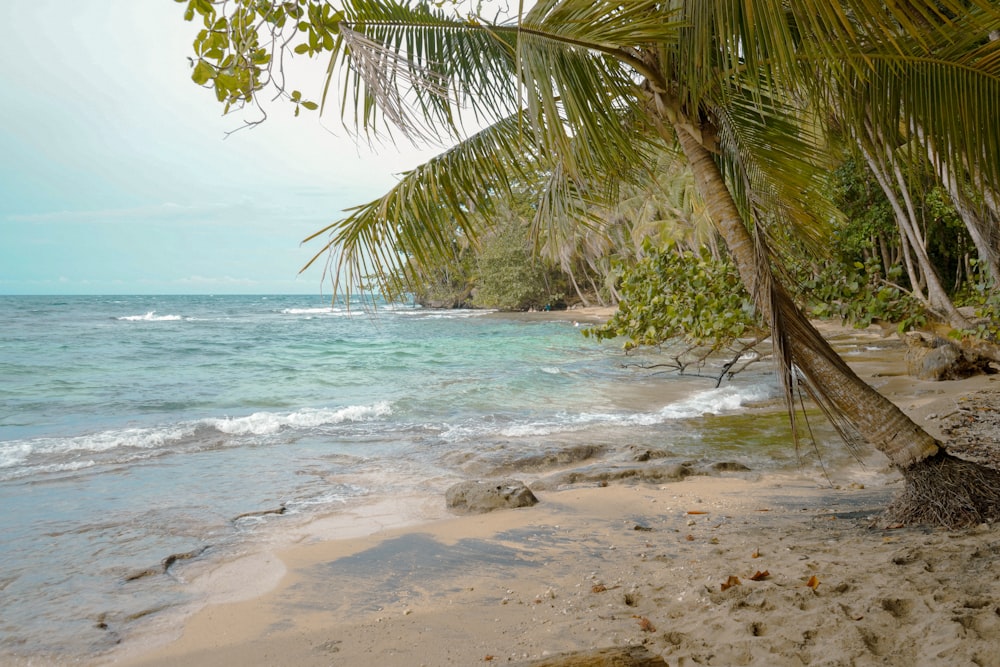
[(606, 472), (729, 466), (940, 359), (553, 457), (642, 454), (485, 496)]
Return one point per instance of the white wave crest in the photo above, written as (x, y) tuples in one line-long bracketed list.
[(14, 453), (151, 316), (716, 401), (313, 311), (266, 423), (712, 401)]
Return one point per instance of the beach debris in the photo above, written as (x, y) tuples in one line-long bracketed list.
[(187, 555), (642, 528), (756, 553), (645, 624), (697, 512), (479, 497), (760, 576), (621, 656), (813, 582), (331, 646), (733, 580), (165, 564), (598, 588), (280, 509)]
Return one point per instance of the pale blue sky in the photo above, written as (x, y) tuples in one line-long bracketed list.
[(115, 176)]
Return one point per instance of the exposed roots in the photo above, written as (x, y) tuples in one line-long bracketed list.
[(946, 491)]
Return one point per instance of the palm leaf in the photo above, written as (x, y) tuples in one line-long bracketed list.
[(431, 205)]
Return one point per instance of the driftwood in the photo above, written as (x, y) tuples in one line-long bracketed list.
[(280, 509), (619, 656), (165, 564)]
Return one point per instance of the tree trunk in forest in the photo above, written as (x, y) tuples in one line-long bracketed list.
[(985, 236), (939, 488), (937, 298), (572, 279)]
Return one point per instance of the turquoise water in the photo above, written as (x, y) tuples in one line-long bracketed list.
[(136, 427)]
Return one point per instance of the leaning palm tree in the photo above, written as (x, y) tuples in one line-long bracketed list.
[(588, 92)]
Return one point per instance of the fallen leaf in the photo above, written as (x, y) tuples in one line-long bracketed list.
[(813, 582), (488, 658), (696, 512), (755, 554), (760, 576), (645, 624), (598, 588), (730, 582)]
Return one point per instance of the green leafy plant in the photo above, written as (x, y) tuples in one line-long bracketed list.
[(671, 294)]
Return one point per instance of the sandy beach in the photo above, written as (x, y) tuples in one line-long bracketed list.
[(736, 568)]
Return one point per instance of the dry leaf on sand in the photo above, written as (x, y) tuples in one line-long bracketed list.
[(730, 582)]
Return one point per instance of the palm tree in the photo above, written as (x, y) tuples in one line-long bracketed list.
[(589, 91)]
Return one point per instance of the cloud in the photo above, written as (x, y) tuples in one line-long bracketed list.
[(241, 212)]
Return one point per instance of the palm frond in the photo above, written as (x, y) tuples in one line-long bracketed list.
[(415, 67), (431, 205)]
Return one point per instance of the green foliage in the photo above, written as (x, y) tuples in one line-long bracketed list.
[(233, 51), (986, 299), (670, 294), (990, 313), (856, 293), (948, 238), (508, 277), (446, 284), (867, 211)]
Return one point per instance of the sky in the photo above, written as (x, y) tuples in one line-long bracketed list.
[(116, 175)]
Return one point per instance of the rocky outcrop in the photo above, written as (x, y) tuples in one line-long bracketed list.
[(478, 497), (940, 359), (605, 473)]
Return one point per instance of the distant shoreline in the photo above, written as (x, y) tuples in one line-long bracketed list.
[(585, 315)]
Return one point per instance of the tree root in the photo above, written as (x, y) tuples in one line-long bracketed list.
[(946, 491)]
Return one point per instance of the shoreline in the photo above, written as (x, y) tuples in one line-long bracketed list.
[(517, 585)]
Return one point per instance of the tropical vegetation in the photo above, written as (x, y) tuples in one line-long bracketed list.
[(585, 101)]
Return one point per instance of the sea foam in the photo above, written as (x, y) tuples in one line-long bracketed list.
[(151, 316), (267, 423)]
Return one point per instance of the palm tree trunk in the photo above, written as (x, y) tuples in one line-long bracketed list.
[(872, 415), (939, 488)]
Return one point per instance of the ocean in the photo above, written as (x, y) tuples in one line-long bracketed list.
[(133, 428)]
